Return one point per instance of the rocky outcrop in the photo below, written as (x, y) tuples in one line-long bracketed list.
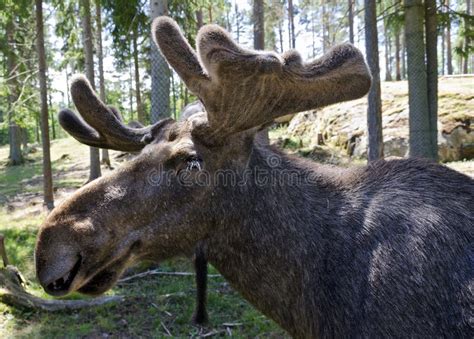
[(344, 125)]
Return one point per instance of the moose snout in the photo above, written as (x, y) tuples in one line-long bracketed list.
[(57, 267), (58, 281)]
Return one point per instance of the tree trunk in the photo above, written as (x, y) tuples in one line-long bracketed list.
[(237, 22), (51, 109), (14, 133), (24, 139), (419, 115), (460, 45), (140, 113), (388, 72), (209, 11), (47, 174), (130, 92), (89, 62), (374, 110), (160, 73), (398, 72), (291, 23), (432, 72), (173, 95), (199, 21), (227, 19), (259, 44), (100, 60), (351, 21), (465, 65), (14, 139), (51, 116), (37, 133), (182, 96), (325, 31), (258, 25), (387, 49), (449, 52), (67, 87), (404, 55), (280, 35), (443, 49)]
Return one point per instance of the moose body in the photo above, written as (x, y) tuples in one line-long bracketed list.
[(381, 250)]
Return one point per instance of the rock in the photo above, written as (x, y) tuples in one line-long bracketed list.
[(345, 125), (458, 144), (302, 123)]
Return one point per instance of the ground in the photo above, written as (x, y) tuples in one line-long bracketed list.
[(155, 305)]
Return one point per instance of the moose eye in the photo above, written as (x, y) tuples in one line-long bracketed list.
[(194, 164)]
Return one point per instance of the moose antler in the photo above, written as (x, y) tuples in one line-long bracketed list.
[(242, 89), (102, 126)]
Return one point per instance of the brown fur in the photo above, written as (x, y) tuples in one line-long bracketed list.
[(384, 250)]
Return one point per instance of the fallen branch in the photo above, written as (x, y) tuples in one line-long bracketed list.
[(12, 293), (158, 272), (232, 324), (166, 329), (212, 333)]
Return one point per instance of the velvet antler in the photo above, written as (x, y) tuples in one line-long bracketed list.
[(102, 126), (241, 88)]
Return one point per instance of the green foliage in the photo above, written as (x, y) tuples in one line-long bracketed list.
[(125, 18), (68, 28), (17, 51)]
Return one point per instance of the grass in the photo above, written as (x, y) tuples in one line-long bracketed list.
[(154, 306)]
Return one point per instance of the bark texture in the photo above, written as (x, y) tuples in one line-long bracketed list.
[(48, 198), (160, 72), (419, 115), (374, 110), (95, 171)]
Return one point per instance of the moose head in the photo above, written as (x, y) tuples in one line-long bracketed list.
[(143, 210)]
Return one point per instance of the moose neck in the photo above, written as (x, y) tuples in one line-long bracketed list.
[(271, 240)]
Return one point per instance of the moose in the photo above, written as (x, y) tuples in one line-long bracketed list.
[(374, 251)]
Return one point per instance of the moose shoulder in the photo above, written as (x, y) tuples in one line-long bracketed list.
[(381, 250)]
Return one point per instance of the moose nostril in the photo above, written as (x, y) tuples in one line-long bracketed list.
[(57, 285), (62, 285)]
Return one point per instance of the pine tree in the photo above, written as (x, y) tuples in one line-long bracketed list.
[(431, 26), (258, 25), (291, 24), (95, 171), (350, 10), (160, 72), (374, 110), (47, 175), (449, 49), (259, 43), (419, 114), (14, 131)]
